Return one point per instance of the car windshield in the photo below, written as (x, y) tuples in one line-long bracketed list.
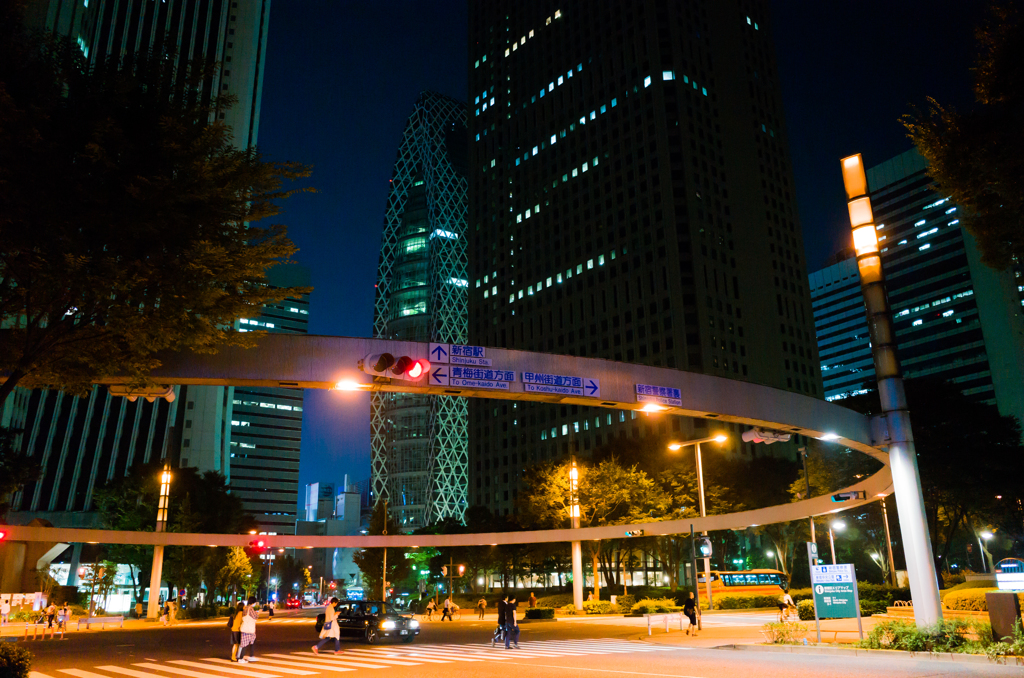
[(360, 609)]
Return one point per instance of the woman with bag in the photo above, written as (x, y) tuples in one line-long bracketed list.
[(248, 630), (330, 629)]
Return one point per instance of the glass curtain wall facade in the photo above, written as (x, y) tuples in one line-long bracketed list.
[(82, 443), (631, 198), (419, 446), (954, 317)]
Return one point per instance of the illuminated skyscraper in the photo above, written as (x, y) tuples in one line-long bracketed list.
[(419, 445), (631, 198)]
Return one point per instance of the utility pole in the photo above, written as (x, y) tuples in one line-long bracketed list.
[(153, 609), (384, 579), (807, 480), (888, 545)]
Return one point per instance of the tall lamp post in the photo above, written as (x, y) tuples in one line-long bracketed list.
[(807, 481), (577, 547), (895, 416), (153, 608), (719, 438), (888, 544), (838, 526)]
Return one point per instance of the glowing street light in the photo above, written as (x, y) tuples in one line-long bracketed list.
[(577, 547), (838, 526), (153, 608), (717, 438), (653, 407)]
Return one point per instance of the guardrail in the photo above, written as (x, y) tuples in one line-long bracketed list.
[(666, 617), (102, 621)]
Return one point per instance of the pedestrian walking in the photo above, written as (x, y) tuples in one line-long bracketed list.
[(235, 627), (690, 610), (165, 612), (481, 606), (447, 609), (511, 624), (5, 611), (63, 617), (138, 609), (248, 629), (499, 632), (172, 611), (51, 613), (533, 600), (431, 608), (330, 631)]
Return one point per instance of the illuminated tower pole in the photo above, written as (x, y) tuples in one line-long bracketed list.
[(906, 478), (153, 609), (577, 547)]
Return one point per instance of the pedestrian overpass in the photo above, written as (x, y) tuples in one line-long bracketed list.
[(323, 362)]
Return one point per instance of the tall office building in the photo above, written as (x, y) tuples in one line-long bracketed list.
[(419, 444), (955, 318), (631, 198), (266, 423), (82, 443)]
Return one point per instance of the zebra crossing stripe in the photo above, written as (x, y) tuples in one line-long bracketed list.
[(355, 653), (451, 652), (185, 672), (383, 656), (275, 664), (82, 674), (523, 652), (326, 659), (233, 668), (36, 674)]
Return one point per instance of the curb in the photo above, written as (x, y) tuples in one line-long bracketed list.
[(853, 652)]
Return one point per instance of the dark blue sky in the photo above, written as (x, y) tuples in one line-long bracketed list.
[(342, 76)]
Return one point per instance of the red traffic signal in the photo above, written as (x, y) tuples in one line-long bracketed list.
[(402, 367), (3, 535), (258, 544)]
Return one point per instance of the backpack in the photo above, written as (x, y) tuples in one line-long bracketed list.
[(231, 618)]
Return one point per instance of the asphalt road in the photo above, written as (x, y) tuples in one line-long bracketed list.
[(565, 649)]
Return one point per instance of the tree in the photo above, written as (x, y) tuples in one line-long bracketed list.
[(370, 561), (977, 157), (127, 215), (609, 494), (237, 572), (16, 469)]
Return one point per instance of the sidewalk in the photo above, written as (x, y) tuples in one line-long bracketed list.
[(833, 631)]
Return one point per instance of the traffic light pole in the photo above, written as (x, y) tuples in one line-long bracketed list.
[(703, 513), (693, 560)]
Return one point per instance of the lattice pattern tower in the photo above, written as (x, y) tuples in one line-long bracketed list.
[(419, 443)]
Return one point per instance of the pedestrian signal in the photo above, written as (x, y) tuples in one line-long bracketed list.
[(849, 496), (704, 547), (402, 367), (257, 544), (444, 570), (634, 533)]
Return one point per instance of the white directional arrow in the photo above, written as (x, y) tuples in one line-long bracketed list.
[(439, 376)]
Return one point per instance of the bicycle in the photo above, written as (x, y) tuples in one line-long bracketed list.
[(455, 614)]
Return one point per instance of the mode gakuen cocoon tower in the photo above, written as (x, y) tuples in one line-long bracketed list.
[(419, 443)]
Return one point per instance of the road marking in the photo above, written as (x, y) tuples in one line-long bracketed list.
[(83, 674), (36, 674), (323, 659), (410, 653), (631, 673), (194, 674), (273, 664), (436, 651), (236, 671), (364, 654)]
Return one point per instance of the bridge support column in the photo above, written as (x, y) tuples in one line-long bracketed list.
[(153, 608), (577, 575)]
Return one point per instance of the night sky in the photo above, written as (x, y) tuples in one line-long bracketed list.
[(341, 79)]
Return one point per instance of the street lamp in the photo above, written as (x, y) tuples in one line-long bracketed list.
[(153, 609), (718, 438), (838, 526), (771, 554), (982, 538), (577, 547)]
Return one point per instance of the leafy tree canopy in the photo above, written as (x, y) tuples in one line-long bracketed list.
[(16, 469), (977, 157), (126, 215)]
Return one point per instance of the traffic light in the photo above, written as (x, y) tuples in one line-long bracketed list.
[(257, 545), (849, 496), (402, 367), (703, 547), (3, 535), (444, 570), (634, 533), (462, 569)]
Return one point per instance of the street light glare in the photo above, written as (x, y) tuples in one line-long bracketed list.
[(770, 554), (838, 526), (652, 407), (675, 447), (349, 385), (829, 436), (721, 438), (986, 535)]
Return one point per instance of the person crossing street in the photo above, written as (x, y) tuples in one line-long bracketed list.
[(511, 624)]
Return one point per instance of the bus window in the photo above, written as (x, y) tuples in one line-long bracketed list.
[(714, 577)]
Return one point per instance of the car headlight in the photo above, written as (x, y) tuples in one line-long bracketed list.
[(413, 624), (387, 625)]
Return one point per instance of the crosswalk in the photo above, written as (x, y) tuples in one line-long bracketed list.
[(296, 664), (262, 621), (724, 620)]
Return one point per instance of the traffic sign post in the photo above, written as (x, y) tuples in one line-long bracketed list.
[(835, 592), (812, 562)]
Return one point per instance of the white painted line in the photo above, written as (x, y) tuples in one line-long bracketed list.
[(195, 674), (231, 668), (363, 654), (131, 672), (36, 674), (329, 659), (83, 674), (451, 654), (274, 664)]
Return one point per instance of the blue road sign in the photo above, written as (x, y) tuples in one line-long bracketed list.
[(535, 382), (663, 395)]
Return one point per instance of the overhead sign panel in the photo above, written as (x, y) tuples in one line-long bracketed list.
[(476, 377), (558, 384), (459, 354), (663, 395)]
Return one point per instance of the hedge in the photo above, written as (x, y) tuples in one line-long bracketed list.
[(744, 601), (805, 608), (556, 600), (970, 599), (977, 584), (540, 613), (15, 662), (654, 606), (600, 607)]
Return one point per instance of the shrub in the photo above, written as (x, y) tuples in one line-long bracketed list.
[(783, 632), (570, 609), (801, 594), (870, 607), (15, 662), (744, 601), (556, 600), (896, 635), (805, 610), (967, 599), (949, 580), (600, 607), (1013, 647), (540, 613), (976, 584), (654, 606), (625, 603)]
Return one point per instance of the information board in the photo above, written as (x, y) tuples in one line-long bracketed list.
[(835, 591)]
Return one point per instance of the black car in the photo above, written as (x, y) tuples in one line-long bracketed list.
[(372, 621)]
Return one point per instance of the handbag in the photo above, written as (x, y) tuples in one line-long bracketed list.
[(248, 624), (328, 626)]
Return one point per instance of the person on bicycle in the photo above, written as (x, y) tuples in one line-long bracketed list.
[(786, 605), (431, 608)]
